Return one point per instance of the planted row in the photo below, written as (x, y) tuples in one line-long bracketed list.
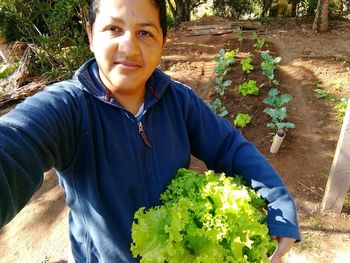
[(277, 110)]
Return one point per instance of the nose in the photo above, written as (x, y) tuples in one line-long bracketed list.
[(129, 45)]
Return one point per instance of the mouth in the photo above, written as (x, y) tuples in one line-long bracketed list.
[(127, 65)]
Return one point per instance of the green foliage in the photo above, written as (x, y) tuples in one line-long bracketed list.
[(224, 60), (278, 116), (249, 88), (242, 119), (221, 85), (340, 109), (323, 94), (247, 66), (239, 35), (268, 66), (276, 99), (335, 8), (218, 108), (278, 112), (170, 17), (54, 29), (258, 42), (203, 218), (234, 8), (307, 7), (7, 69)]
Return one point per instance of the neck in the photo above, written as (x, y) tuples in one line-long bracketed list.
[(130, 101)]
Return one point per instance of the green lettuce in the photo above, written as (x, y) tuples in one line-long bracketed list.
[(203, 218)]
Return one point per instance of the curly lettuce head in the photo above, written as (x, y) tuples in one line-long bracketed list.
[(203, 218)]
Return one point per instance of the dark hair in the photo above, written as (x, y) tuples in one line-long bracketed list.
[(160, 4)]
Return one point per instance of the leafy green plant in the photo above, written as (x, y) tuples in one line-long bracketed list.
[(242, 119), (224, 60), (340, 109), (268, 66), (248, 88), (277, 119), (239, 36), (203, 218), (221, 85), (323, 94), (276, 99), (258, 42), (218, 108), (278, 112), (247, 66)]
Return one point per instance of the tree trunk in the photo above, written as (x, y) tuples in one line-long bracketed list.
[(182, 12), (294, 8), (321, 19), (4, 50), (266, 7)]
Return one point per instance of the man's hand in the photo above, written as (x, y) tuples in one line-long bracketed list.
[(284, 245)]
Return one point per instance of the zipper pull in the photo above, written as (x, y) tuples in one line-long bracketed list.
[(143, 134)]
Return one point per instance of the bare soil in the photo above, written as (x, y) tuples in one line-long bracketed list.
[(39, 233)]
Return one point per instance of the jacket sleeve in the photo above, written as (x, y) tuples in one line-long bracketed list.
[(223, 149), (37, 135)]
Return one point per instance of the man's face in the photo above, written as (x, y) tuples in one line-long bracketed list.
[(127, 41)]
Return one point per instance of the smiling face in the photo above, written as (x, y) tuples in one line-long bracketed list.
[(127, 41)]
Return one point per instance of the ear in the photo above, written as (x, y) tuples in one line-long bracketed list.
[(89, 34), (165, 40)]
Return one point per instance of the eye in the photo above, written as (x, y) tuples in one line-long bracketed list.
[(113, 29), (144, 33)]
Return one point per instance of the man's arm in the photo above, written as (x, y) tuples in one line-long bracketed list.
[(36, 136), (223, 149)]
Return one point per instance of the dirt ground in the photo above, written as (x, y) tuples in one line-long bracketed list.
[(40, 231)]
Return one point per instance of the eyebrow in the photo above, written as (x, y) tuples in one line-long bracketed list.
[(143, 24)]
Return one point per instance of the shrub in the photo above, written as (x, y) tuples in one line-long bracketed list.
[(234, 8), (54, 30)]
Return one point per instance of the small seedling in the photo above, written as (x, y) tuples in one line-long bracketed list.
[(268, 67), (340, 109), (323, 94), (218, 108), (239, 36), (277, 117), (221, 85), (278, 112), (247, 66), (259, 42), (242, 119), (248, 88), (276, 99), (224, 60)]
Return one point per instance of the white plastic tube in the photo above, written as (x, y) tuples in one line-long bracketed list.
[(277, 140)]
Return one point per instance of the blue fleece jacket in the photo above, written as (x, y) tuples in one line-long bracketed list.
[(110, 163)]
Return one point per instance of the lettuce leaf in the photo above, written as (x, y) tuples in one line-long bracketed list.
[(203, 218)]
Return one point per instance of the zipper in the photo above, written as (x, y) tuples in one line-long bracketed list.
[(143, 134)]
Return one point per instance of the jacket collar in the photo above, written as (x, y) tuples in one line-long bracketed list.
[(87, 74)]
